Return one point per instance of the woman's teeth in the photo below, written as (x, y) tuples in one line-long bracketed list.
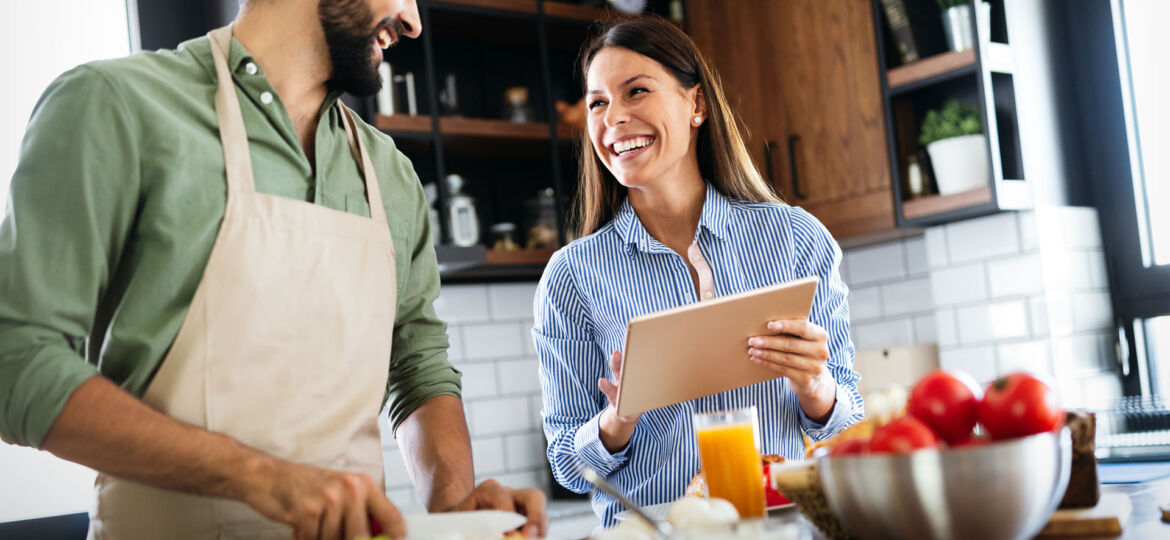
[(384, 39), (628, 145)]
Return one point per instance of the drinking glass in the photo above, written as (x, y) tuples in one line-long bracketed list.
[(730, 454)]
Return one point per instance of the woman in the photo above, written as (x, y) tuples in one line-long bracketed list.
[(672, 211)]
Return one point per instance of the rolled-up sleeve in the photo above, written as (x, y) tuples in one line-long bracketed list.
[(419, 368), (818, 254), (571, 362), (71, 205)]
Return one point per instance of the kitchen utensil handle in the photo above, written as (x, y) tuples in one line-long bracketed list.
[(769, 147), (593, 477), (792, 140)]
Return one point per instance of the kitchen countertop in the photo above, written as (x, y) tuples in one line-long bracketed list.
[(1146, 520)]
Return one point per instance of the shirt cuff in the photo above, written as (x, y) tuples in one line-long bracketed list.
[(838, 419), (590, 450)]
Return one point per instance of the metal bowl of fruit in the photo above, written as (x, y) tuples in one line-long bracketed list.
[(1000, 490), (926, 474)]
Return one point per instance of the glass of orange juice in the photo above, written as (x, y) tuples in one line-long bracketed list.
[(730, 453)]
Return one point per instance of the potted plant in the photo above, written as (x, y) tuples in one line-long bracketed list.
[(953, 136)]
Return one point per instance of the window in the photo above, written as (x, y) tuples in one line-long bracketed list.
[(38, 42), (1140, 238)]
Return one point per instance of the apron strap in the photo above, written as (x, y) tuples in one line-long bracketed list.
[(377, 210), (232, 135)]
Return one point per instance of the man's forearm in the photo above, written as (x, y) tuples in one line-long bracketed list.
[(437, 449), (106, 429)]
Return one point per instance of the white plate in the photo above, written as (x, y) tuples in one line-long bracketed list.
[(662, 511), (462, 524)]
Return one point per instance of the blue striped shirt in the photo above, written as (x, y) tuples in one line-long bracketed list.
[(592, 287)]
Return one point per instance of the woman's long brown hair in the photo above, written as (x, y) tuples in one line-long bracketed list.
[(723, 158)]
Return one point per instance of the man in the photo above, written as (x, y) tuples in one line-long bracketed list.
[(175, 315)]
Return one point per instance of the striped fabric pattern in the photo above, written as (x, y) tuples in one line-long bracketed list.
[(593, 286)]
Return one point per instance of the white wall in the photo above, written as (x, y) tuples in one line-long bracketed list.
[(38, 41)]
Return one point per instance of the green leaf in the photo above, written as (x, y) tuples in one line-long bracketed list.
[(955, 119)]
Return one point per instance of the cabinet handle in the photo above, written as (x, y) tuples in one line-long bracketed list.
[(769, 147), (792, 140)]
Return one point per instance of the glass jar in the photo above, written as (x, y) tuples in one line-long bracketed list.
[(504, 235)]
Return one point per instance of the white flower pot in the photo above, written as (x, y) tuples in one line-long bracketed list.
[(960, 163)]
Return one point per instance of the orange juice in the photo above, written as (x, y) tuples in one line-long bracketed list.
[(731, 463)]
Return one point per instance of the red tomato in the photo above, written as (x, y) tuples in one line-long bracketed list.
[(1018, 405), (947, 402), (905, 434), (850, 447), (771, 496)]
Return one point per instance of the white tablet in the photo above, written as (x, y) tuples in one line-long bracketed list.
[(700, 349)]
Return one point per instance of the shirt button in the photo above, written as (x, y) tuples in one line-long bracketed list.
[(266, 98), (709, 294), (251, 68)]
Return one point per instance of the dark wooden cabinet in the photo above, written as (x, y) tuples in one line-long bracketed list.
[(803, 76)]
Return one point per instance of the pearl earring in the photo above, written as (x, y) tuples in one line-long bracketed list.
[(698, 119)]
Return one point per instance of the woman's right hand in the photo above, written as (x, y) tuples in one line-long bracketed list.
[(616, 431)]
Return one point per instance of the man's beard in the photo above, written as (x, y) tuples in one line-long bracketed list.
[(350, 32)]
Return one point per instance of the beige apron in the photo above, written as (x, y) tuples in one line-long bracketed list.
[(286, 346)]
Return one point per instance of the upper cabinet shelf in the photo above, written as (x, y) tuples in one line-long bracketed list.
[(940, 67), (473, 127), (515, 6), (572, 11)]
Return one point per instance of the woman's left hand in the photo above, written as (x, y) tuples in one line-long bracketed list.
[(798, 350)]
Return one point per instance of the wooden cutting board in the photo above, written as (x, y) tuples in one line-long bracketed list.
[(1106, 519)]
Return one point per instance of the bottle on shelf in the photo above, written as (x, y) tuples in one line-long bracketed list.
[(461, 215)]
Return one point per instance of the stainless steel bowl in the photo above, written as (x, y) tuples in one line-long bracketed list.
[(1006, 490)]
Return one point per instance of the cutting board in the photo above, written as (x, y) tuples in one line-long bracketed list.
[(1106, 519)]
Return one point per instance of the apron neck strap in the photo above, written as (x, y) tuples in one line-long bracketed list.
[(377, 210), (232, 135)]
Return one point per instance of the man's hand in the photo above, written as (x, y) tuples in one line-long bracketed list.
[(321, 503), (490, 495)]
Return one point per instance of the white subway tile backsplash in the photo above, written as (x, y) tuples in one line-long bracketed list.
[(462, 303), (987, 322), (980, 238), (1029, 356), (511, 300), (522, 480), (1074, 269), (935, 239), (406, 500), (499, 340), (1038, 315), (479, 380), (876, 263), (945, 327), (498, 416), (1091, 311), (978, 362), (519, 376), (865, 303), (1101, 389), (925, 331), (489, 455), (916, 261), (1060, 313), (1015, 276), (1098, 278), (958, 285), (525, 451), (910, 296), (1029, 236), (455, 352), (886, 333), (1085, 353), (1068, 227), (397, 476)]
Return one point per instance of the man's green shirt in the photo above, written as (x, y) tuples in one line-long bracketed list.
[(114, 208)]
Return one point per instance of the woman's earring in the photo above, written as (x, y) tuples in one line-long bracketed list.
[(698, 120)]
